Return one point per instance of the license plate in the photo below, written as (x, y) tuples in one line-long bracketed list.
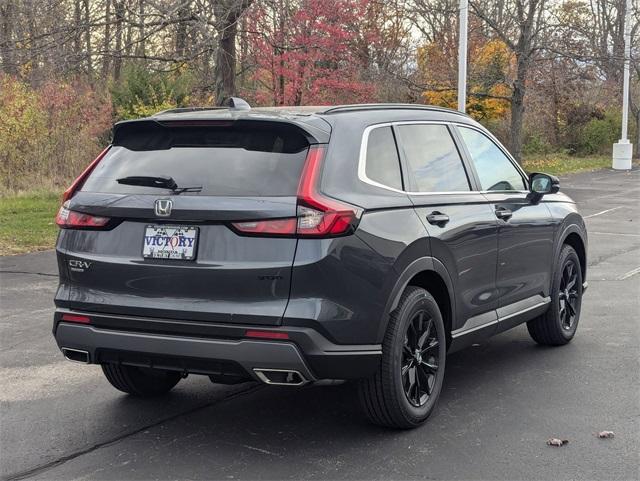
[(170, 242)]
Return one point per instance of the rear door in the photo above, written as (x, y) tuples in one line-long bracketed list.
[(176, 254), (461, 225)]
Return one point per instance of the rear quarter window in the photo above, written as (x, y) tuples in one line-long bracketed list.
[(382, 162)]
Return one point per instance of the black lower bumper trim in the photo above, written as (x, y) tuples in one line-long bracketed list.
[(164, 345)]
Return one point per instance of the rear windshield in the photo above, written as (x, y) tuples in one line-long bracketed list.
[(223, 161)]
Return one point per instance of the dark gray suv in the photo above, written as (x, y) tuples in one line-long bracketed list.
[(296, 245)]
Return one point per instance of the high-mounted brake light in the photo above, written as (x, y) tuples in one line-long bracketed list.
[(70, 219), (76, 184), (317, 214)]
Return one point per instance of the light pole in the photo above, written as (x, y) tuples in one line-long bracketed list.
[(623, 149), (462, 55)]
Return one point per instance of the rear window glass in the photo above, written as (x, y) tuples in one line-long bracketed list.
[(433, 158), (224, 161)]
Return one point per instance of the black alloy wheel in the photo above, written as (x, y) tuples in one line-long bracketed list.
[(568, 294), (420, 354), (558, 325), (404, 391)]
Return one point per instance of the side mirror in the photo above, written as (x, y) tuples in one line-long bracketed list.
[(542, 184)]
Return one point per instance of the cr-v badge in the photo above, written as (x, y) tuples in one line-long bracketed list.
[(163, 207), (77, 265)]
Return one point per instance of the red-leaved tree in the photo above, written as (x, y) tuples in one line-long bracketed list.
[(303, 52)]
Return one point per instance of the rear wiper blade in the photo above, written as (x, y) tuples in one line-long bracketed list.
[(161, 182)]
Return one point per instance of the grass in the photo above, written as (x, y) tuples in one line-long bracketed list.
[(27, 222), (560, 164)]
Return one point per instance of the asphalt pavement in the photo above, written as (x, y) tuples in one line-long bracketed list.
[(501, 400)]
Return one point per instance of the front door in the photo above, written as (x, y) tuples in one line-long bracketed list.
[(525, 231)]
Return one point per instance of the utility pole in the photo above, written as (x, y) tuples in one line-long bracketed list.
[(462, 55), (623, 149)]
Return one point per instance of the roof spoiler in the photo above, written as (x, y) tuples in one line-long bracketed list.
[(156, 134)]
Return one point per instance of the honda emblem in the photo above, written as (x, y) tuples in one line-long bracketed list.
[(163, 207)]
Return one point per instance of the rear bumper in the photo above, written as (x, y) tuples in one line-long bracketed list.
[(204, 348)]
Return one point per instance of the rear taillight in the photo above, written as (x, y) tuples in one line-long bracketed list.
[(76, 184), (317, 214), (286, 227), (70, 219)]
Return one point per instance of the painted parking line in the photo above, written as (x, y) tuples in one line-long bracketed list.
[(603, 212), (631, 273), (614, 233)]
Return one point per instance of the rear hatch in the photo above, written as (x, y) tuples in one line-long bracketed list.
[(188, 247)]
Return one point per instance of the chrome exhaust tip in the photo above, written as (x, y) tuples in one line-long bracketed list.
[(76, 355), (280, 377)]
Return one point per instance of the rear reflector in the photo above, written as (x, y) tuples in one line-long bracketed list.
[(69, 219), (266, 334), (75, 318)]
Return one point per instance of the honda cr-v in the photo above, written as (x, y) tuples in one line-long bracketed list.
[(293, 245)]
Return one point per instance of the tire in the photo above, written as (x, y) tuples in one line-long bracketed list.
[(558, 325), (140, 381), (385, 398)]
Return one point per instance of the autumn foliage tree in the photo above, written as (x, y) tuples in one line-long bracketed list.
[(303, 53), (490, 67)]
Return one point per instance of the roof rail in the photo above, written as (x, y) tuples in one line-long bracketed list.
[(389, 106)]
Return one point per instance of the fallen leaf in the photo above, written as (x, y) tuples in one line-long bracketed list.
[(557, 442), (606, 434)]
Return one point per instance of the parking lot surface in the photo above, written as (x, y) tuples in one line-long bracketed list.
[(501, 400)]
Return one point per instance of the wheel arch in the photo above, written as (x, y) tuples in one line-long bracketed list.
[(574, 240), (430, 274), (576, 237)]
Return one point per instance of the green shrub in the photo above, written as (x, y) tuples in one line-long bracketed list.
[(591, 131), (141, 93), (598, 135), (537, 144)]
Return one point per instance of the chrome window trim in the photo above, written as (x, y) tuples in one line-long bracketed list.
[(362, 159)]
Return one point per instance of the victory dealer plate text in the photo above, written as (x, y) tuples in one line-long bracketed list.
[(169, 242)]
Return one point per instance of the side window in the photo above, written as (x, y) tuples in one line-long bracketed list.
[(495, 170), (383, 164), (433, 158)]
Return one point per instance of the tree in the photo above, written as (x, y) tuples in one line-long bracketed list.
[(227, 13), (304, 53), (488, 87), (521, 25)]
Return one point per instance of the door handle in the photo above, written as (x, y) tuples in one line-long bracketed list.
[(437, 218), (504, 214)]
